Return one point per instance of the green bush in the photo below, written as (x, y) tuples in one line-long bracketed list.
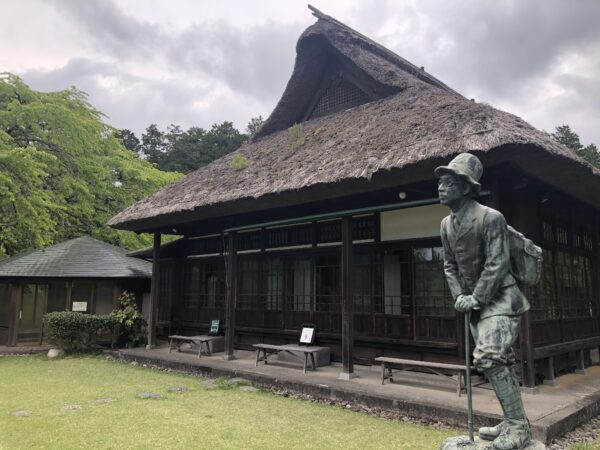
[(239, 162), (77, 332), (133, 329), (296, 135)]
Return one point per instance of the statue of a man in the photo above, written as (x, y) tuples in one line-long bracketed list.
[(476, 264)]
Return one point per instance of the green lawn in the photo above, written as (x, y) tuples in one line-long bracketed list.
[(197, 418)]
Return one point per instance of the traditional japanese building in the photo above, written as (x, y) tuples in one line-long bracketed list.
[(82, 274), (330, 216)]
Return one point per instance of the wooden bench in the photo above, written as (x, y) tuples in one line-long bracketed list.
[(387, 371), (548, 353), (201, 341), (270, 349)]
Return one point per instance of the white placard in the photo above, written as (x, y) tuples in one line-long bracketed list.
[(79, 306), (307, 335)]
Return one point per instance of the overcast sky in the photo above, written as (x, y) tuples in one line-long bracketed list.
[(195, 63)]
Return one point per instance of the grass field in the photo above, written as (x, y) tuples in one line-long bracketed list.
[(224, 417)]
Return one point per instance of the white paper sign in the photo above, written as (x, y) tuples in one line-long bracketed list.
[(79, 306), (307, 335)]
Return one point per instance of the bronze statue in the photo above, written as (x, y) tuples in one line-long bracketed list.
[(477, 268)]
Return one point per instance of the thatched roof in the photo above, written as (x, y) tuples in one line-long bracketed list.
[(83, 257), (417, 119)]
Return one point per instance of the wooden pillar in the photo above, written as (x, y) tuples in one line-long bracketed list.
[(596, 268), (527, 361), (154, 290), (16, 291), (347, 302), (231, 296), (526, 218)]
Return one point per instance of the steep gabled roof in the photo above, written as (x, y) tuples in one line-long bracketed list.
[(330, 46), (417, 119), (83, 257)]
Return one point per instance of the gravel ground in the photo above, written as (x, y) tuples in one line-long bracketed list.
[(586, 433)]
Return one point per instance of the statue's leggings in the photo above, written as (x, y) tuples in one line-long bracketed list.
[(494, 337)]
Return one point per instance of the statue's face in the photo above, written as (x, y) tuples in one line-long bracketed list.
[(451, 189)]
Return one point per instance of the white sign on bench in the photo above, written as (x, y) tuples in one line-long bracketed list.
[(307, 336)]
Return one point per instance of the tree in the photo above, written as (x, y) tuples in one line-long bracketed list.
[(154, 145), (221, 140), (570, 139), (254, 125), (128, 139), (184, 155), (185, 151), (63, 172)]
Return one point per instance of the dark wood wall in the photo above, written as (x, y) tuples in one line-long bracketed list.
[(57, 294), (420, 322)]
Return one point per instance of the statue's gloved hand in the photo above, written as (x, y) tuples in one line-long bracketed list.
[(465, 303)]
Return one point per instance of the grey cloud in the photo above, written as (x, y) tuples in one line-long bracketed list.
[(501, 45), (257, 61), (110, 29), (135, 102), (504, 52)]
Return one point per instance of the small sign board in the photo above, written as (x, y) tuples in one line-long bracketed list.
[(79, 306), (215, 327), (307, 336)]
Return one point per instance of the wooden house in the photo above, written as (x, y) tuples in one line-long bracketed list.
[(330, 216), (82, 274)]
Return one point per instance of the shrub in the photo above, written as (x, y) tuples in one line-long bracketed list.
[(296, 134), (77, 332), (239, 162), (133, 329)]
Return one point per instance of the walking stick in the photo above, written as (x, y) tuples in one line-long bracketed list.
[(468, 375)]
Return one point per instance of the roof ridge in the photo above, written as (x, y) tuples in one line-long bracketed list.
[(386, 53)]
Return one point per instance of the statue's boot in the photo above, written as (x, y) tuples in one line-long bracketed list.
[(515, 434), (491, 433)]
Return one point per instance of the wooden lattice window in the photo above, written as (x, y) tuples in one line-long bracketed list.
[(339, 95), (204, 284), (547, 231), (250, 241), (273, 275), (363, 228), (545, 305), (577, 240), (562, 235), (248, 285), (287, 237), (432, 295), (330, 231), (298, 282), (588, 246), (396, 298), (327, 283), (362, 283), (205, 246)]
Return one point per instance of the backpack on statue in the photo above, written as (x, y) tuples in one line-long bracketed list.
[(525, 257)]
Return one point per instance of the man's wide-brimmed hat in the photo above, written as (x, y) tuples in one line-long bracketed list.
[(466, 166)]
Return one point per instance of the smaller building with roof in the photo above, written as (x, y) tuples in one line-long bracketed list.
[(82, 274)]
